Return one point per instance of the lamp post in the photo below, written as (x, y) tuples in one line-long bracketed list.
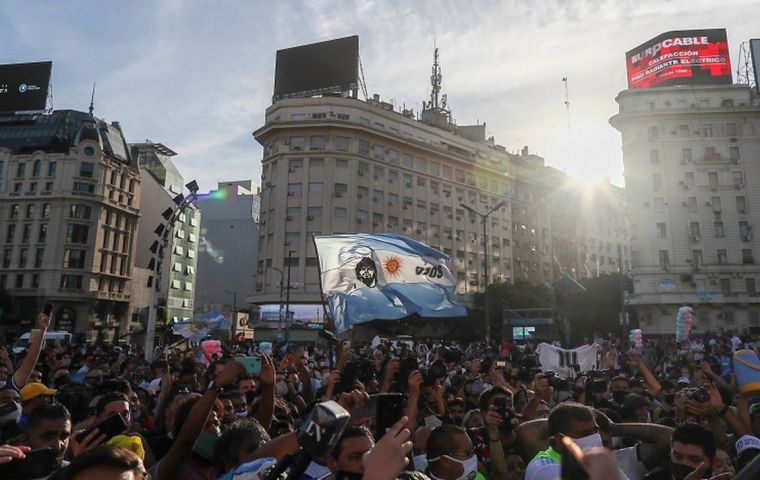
[(163, 232), (484, 219), (287, 299), (282, 285)]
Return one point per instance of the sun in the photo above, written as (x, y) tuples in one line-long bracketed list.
[(392, 266)]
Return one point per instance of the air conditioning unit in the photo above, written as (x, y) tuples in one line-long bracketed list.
[(359, 195), (408, 185), (695, 238), (361, 173), (374, 199), (375, 224), (747, 237), (263, 222), (708, 203), (405, 207), (359, 220), (450, 216), (418, 231), (292, 169), (390, 204), (268, 184), (289, 218), (389, 226), (390, 180), (685, 204), (448, 236), (290, 194), (338, 194), (310, 217), (459, 218), (376, 176), (287, 243)]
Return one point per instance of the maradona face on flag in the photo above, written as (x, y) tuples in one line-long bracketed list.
[(383, 276)]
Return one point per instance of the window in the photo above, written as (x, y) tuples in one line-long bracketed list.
[(653, 133), (689, 179), (730, 129), (664, 258), (295, 189), (26, 233), (17, 187), (744, 231), (656, 181), (36, 168), (292, 238), (86, 169), (686, 155), (722, 256), (83, 188), (341, 164), (340, 188), (23, 255), (176, 284), (747, 256), (38, 257), (733, 154), (71, 282), (339, 212), (707, 130), (683, 131), (48, 186), (741, 204), (694, 230), (378, 152), (291, 261), (73, 258), (420, 182), (407, 180), (45, 210), (363, 147), (712, 178), (318, 143), (52, 166), (21, 170), (661, 230), (659, 205), (725, 286), (33, 187), (716, 204), (77, 233), (654, 156), (314, 212), (19, 280), (81, 211), (42, 234), (719, 230), (293, 213), (30, 210), (297, 144), (36, 280), (14, 211), (341, 144), (749, 284), (696, 258), (393, 157), (738, 180), (7, 254)]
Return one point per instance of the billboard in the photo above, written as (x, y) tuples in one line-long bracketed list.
[(754, 49), (317, 68), (682, 57), (24, 86)]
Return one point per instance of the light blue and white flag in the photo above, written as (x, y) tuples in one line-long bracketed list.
[(382, 276), (198, 328)]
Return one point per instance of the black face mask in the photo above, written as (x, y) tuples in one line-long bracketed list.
[(670, 398), (619, 396), (250, 396), (343, 475), (679, 471)]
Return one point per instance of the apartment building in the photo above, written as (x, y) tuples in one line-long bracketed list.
[(69, 204), (692, 169)]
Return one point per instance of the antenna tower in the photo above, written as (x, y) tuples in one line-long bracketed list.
[(362, 81), (92, 99), (567, 102), (745, 74)]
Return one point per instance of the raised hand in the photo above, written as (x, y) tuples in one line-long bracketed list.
[(8, 453), (267, 375), (389, 456), (92, 440)]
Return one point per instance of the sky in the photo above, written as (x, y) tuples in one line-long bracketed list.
[(197, 75)]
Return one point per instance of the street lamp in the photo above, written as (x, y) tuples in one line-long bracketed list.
[(287, 298), (282, 285), (484, 219)]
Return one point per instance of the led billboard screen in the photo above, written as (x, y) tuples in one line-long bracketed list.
[(683, 57), (318, 67), (24, 86)]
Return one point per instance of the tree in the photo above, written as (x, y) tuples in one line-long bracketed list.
[(596, 309)]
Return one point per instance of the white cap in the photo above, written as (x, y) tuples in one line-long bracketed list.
[(683, 380), (747, 442)]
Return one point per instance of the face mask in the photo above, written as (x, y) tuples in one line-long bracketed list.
[(250, 396), (12, 416), (61, 381), (2, 383), (205, 445), (619, 396), (679, 471), (136, 414), (281, 389), (420, 462), (432, 421), (469, 467), (590, 441), (342, 475), (242, 414), (670, 398)]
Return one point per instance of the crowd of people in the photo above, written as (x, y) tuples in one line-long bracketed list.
[(466, 411)]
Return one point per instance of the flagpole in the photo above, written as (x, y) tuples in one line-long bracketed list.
[(330, 322)]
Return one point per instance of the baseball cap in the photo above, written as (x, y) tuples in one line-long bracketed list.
[(747, 442), (35, 389), (754, 408), (684, 380)]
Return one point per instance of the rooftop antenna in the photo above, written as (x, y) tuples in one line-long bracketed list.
[(567, 103), (435, 80), (362, 81), (744, 71), (92, 99)]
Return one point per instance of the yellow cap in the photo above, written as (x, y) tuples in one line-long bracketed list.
[(133, 443), (35, 389)]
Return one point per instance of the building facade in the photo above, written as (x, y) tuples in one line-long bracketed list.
[(176, 267), (692, 170), (69, 205), (228, 247), (342, 165)]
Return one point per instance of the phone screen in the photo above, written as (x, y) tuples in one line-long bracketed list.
[(390, 408), (111, 426), (252, 364)]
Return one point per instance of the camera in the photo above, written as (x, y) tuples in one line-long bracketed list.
[(558, 383), (598, 373), (698, 394), (352, 371)]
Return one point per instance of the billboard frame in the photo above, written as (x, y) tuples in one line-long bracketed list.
[(22, 82)]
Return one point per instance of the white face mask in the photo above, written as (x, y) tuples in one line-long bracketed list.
[(13, 416), (433, 421), (588, 442), (420, 462), (242, 414), (469, 467)]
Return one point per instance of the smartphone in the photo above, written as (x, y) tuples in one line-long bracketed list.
[(39, 463), (347, 344), (572, 468), (252, 364), (501, 405), (48, 309), (111, 426), (390, 408), (501, 364), (370, 407)]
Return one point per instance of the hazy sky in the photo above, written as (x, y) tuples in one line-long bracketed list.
[(198, 75)]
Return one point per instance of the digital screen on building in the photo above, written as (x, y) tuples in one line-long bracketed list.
[(683, 57), (300, 314), (523, 333), (24, 86), (318, 67)]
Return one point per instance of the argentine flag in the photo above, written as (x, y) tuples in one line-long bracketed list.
[(198, 328), (382, 276)]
